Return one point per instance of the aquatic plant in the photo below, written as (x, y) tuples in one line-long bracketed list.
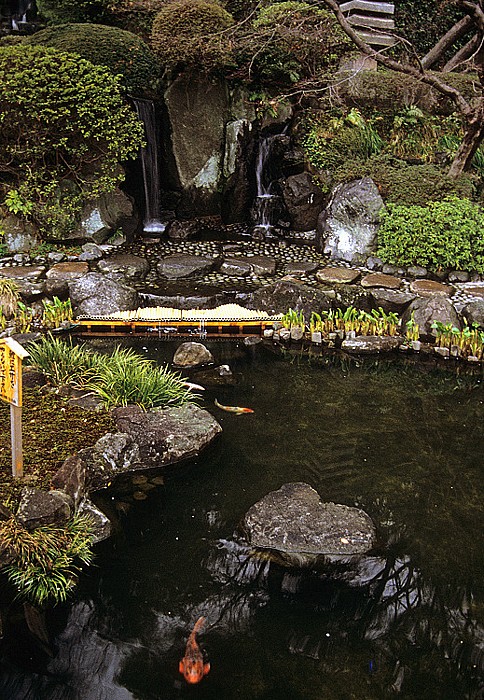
[(293, 319), (62, 362), (125, 378), (45, 562), (9, 297), (469, 340), (412, 330), (56, 312)]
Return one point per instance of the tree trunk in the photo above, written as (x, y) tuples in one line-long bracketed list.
[(456, 32), (474, 133), (463, 54)]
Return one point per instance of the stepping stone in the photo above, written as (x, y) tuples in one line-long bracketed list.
[(237, 267), (262, 265), (337, 275), (475, 290), (180, 265), (379, 279), (301, 268), (430, 287), (130, 266), (26, 272)]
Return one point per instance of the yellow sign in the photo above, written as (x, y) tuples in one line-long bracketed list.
[(11, 356)]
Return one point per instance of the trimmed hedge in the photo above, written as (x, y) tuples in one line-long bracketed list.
[(441, 235), (122, 52)]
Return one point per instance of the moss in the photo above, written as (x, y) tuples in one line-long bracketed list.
[(122, 52), (52, 431), (402, 183), (191, 33)]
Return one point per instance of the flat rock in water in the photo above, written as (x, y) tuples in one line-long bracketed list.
[(130, 266), (294, 521), (337, 275), (180, 265), (301, 267), (262, 264), (369, 344), (238, 267), (67, 271), (25, 272), (391, 300), (430, 287), (378, 279)]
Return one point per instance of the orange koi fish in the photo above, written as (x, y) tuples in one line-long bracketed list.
[(238, 410), (191, 666)]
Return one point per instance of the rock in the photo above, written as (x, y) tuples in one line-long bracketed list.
[(95, 294), (168, 435), (30, 291), (347, 228), (391, 300), (379, 279), (112, 455), (426, 310), (181, 265), (18, 235), (238, 162), (191, 354), (337, 275), (91, 251), (301, 268), (294, 522), (236, 267), (64, 272), (262, 265), (190, 300), (374, 263), (183, 230), (417, 271), (29, 273), (474, 312), (130, 266), (429, 288), (304, 201), (370, 344), (216, 376), (39, 508), (458, 276), (105, 216), (71, 478), (101, 523), (285, 294)]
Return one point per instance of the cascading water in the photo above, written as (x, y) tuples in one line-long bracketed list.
[(268, 204), (149, 162)]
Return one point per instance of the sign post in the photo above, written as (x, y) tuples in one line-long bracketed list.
[(11, 356)]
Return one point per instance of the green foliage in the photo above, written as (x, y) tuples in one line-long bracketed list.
[(290, 41), (16, 205), (119, 379), (469, 340), (357, 321), (56, 312), (64, 131), (192, 33), (424, 23), (401, 183), (47, 560), (61, 11), (122, 52), (136, 16), (9, 297), (126, 378), (441, 235)]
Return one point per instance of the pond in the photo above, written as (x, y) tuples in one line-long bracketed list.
[(403, 442)]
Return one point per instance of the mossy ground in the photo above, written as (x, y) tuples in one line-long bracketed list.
[(52, 431)]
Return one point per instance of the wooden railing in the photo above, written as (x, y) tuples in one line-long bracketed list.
[(371, 20)]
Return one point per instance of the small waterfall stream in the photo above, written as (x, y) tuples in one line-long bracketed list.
[(149, 161), (268, 204)]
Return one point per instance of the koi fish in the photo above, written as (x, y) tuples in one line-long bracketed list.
[(191, 666), (238, 410), (193, 387)]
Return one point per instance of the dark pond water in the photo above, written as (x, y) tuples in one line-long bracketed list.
[(403, 443)]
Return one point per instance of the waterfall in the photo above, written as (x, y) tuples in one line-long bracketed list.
[(268, 204), (149, 163)]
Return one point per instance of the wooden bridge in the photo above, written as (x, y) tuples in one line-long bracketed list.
[(371, 20)]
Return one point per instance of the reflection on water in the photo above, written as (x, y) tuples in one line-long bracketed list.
[(404, 444)]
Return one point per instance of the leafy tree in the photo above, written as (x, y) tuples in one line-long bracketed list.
[(122, 52), (61, 11), (64, 130)]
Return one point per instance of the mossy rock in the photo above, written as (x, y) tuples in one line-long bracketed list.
[(122, 52)]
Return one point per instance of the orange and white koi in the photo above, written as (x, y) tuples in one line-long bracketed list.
[(192, 666), (238, 410)]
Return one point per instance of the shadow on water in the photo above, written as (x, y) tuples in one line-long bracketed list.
[(404, 444)]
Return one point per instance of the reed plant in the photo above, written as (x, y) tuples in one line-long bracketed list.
[(62, 362), (125, 378), (469, 340), (9, 297), (45, 562), (56, 312)]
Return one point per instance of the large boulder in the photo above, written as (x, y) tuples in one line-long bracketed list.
[(426, 310), (18, 235), (295, 523), (191, 354), (348, 226), (95, 294), (304, 201), (131, 267), (38, 508), (197, 109), (109, 213), (473, 311), (112, 455), (237, 170), (168, 435)]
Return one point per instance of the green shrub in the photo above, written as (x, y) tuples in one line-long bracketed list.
[(61, 11), (192, 33), (64, 129), (45, 562), (441, 235), (122, 52), (401, 183), (136, 16), (63, 363), (290, 41)]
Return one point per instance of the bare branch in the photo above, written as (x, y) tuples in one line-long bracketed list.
[(460, 28)]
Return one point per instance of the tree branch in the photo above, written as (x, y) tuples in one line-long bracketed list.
[(460, 28)]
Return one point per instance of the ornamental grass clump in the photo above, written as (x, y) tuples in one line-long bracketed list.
[(125, 378), (63, 363), (45, 562)]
